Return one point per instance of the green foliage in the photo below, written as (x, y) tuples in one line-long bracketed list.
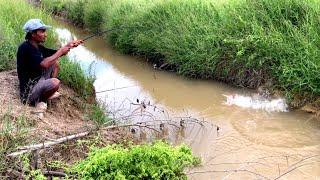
[(73, 76), (156, 161), (37, 175), (93, 14), (75, 11), (55, 6)]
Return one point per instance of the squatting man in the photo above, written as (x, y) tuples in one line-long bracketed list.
[(38, 66)]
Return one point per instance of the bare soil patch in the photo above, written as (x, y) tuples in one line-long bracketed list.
[(65, 115)]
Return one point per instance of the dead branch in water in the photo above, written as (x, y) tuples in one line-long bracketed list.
[(297, 165)]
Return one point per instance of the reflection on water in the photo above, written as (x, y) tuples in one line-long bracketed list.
[(254, 133)]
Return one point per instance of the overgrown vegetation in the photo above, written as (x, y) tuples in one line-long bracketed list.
[(156, 161), (247, 43)]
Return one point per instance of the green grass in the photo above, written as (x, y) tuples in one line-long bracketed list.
[(97, 115), (73, 76), (13, 15), (246, 43)]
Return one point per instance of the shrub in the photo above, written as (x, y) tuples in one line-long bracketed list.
[(156, 161)]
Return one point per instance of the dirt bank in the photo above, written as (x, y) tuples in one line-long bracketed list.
[(64, 115), (20, 126)]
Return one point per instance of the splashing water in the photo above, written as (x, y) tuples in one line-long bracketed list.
[(277, 105)]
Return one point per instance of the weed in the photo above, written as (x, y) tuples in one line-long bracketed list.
[(73, 76), (156, 161), (97, 114)]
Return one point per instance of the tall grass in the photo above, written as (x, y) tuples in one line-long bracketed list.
[(13, 15), (73, 76), (246, 43)]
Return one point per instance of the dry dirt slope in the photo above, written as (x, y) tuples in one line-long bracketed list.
[(64, 115)]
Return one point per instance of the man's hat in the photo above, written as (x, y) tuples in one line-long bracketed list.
[(34, 24)]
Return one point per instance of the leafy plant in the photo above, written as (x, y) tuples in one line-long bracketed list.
[(147, 161)]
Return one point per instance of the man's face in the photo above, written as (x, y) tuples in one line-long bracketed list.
[(39, 35)]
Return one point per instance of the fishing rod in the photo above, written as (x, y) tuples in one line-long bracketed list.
[(100, 33)]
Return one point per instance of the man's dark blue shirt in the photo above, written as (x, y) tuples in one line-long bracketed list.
[(28, 66)]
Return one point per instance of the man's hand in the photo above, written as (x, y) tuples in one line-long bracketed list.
[(75, 43), (64, 50)]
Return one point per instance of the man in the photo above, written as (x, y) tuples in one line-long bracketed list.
[(38, 66)]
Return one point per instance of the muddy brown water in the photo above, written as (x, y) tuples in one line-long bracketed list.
[(258, 138)]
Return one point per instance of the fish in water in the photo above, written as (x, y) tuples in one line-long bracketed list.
[(257, 102)]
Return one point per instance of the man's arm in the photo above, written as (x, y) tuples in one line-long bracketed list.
[(49, 61)]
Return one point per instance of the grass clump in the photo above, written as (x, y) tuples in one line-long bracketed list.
[(73, 76), (97, 114), (156, 161), (247, 43)]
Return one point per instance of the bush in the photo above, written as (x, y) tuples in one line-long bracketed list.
[(156, 161)]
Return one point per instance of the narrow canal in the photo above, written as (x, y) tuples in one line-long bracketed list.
[(247, 135)]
